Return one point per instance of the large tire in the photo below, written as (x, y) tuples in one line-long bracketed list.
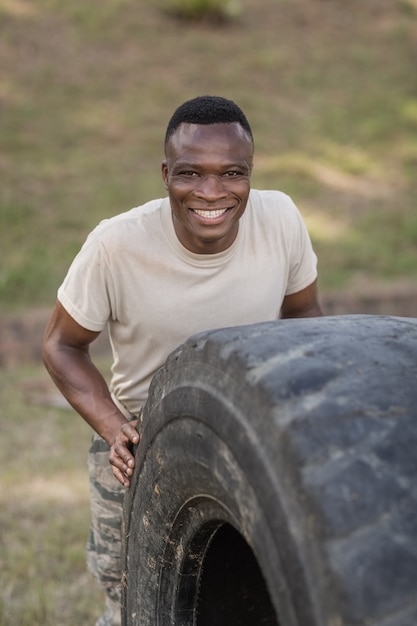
[(275, 481)]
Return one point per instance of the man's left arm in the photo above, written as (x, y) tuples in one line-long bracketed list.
[(303, 303)]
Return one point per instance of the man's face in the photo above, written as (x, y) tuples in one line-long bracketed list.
[(207, 174)]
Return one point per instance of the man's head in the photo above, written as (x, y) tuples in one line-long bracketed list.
[(209, 153), (207, 110)]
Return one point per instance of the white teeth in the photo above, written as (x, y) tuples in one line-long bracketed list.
[(210, 214)]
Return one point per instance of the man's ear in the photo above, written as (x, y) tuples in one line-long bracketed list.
[(164, 171)]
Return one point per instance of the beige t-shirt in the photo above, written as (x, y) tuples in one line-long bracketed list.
[(133, 274)]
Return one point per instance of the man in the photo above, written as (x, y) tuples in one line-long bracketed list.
[(212, 254)]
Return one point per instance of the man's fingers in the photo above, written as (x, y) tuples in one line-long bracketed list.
[(121, 469), (122, 451), (121, 477), (128, 433), (121, 458), (131, 432)]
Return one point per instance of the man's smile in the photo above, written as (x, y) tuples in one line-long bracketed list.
[(210, 214)]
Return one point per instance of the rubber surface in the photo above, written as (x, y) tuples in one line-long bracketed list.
[(275, 479)]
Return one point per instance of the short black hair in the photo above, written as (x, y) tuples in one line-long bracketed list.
[(207, 110)]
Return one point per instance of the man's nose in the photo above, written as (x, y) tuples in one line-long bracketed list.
[(210, 188)]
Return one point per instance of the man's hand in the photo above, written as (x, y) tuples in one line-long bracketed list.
[(121, 458)]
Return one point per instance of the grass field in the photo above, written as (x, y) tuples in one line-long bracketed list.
[(44, 511), (331, 93), (86, 90)]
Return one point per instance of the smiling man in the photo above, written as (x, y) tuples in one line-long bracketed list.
[(214, 253)]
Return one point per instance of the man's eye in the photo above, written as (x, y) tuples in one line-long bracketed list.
[(189, 173), (231, 173)]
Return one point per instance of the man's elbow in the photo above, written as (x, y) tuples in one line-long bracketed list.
[(48, 351)]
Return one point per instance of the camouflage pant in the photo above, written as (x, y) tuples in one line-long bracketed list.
[(104, 543)]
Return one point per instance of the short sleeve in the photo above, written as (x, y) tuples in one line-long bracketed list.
[(86, 290), (303, 260)]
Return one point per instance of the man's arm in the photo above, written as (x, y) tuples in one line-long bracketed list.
[(67, 359), (303, 303)]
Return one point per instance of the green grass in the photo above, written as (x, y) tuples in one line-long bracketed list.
[(331, 95), (44, 509)]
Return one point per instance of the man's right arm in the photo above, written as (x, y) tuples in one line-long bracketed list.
[(67, 358)]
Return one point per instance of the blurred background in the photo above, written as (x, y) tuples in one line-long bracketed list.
[(86, 91)]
